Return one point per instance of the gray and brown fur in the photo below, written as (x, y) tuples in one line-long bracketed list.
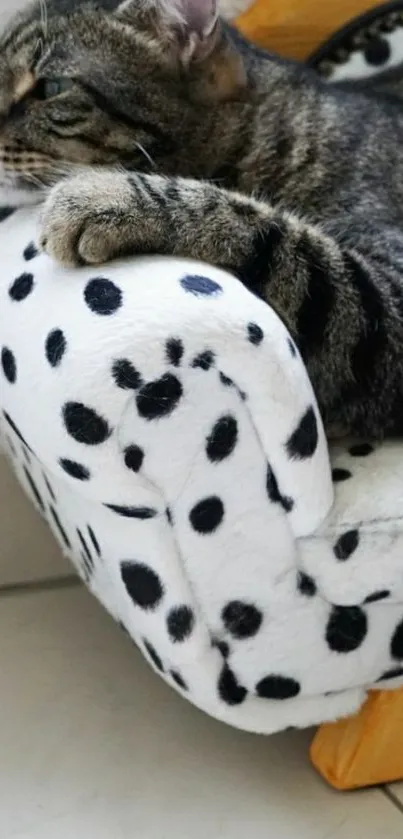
[(294, 186)]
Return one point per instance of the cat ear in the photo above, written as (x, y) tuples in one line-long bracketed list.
[(190, 32), (192, 24)]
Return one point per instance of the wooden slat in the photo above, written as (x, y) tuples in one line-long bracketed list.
[(295, 28), (364, 750)]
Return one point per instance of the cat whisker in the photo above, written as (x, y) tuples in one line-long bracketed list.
[(35, 180), (146, 155), (44, 17)]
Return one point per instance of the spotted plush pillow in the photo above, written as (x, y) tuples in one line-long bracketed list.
[(161, 420)]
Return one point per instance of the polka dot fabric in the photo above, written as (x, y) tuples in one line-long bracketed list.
[(161, 420), (368, 48)]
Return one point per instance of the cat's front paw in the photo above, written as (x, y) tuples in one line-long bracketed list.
[(89, 218)]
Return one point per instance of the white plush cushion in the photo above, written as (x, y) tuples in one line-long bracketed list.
[(161, 419)]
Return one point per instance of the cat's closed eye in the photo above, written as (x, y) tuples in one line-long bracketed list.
[(49, 88)]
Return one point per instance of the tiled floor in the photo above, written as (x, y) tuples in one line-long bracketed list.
[(93, 744), (98, 747)]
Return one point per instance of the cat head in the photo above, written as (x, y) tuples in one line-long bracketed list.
[(148, 84)]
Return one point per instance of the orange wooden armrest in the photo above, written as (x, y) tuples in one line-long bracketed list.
[(364, 750), (295, 28)]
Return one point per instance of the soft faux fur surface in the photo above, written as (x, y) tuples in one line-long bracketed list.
[(161, 420)]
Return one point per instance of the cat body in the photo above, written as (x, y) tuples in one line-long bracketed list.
[(196, 143)]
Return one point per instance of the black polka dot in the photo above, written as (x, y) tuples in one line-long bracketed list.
[(180, 623), (132, 512), (55, 347), (159, 398), (339, 475), (292, 347), (346, 629), (87, 567), (153, 656), (277, 687), (222, 439), (174, 350), (229, 689), (394, 673), (225, 380), (377, 596), (84, 424), (125, 375), (396, 647), (241, 620), (9, 365), (30, 252), (102, 296), (377, 51), (75, 470), (274, 493), (204, 360), (21, 287), (200, 286), (255, 334), (88, 560), (221, 646), (306, 585), (361, 450), (34, 488), (346, 544), (60, 528), (94, 540), (16, 430), (49, 488), (134, 457), (304, 440), (207, 515), (179, 680), (142, 584), (168, 513), (6, 212)]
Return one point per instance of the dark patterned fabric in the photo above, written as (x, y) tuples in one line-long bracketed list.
[(367, 51)]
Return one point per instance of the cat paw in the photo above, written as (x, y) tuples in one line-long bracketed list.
[(88, 219)]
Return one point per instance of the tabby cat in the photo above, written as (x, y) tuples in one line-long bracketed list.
[(161, 130)]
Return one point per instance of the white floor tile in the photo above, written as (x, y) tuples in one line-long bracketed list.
[(28, 551), (94, 745)]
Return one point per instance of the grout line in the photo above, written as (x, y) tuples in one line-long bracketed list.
[(390, 795), (50, 584)]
